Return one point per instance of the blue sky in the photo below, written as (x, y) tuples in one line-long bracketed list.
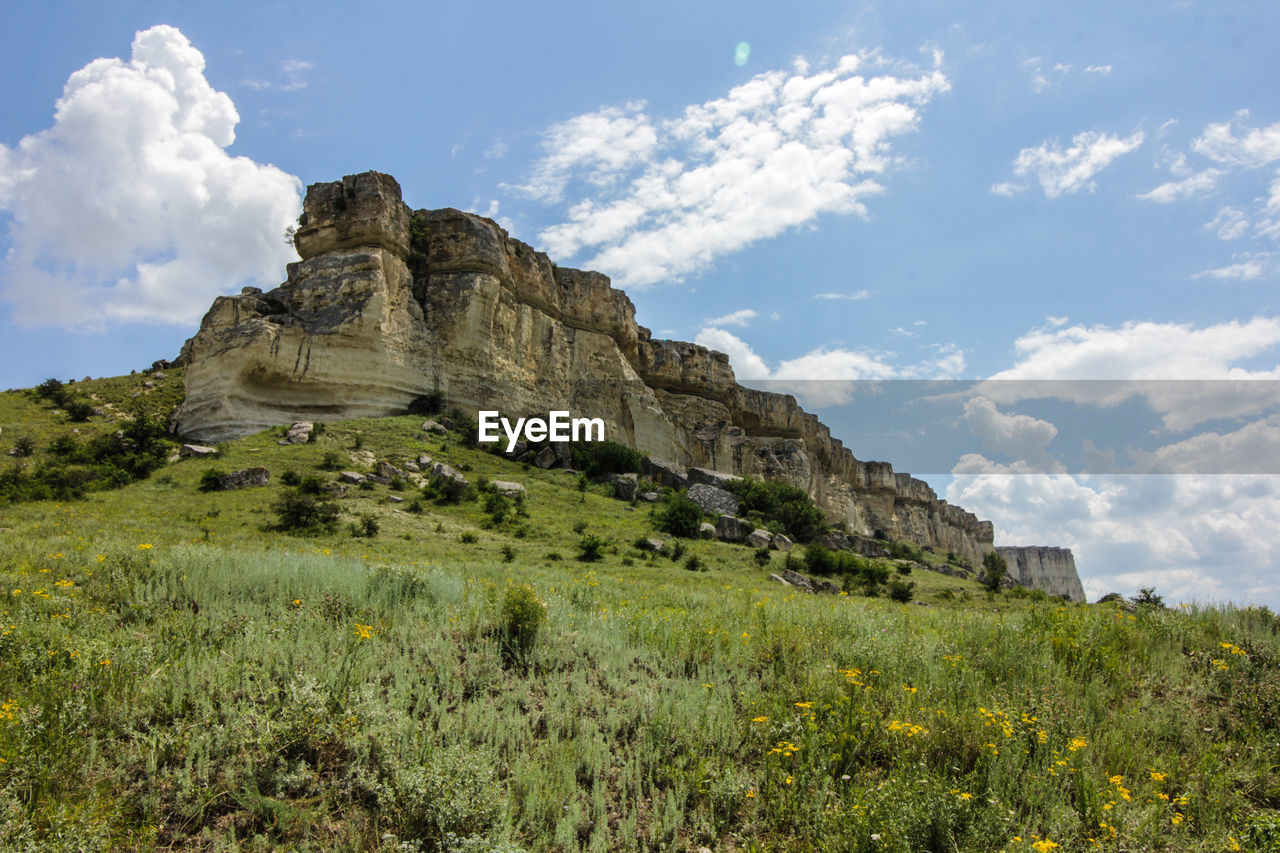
[(830, 191)]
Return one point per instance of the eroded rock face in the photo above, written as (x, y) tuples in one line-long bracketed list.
[(389, 304), (1050, 569)]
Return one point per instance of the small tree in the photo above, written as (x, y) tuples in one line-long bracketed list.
[(681, 517), (1147, 597), (994, 571)]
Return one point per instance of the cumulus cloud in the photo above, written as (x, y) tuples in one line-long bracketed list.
[(129, 208), (1249, 149), (1021, 436), (664, 198), (1200, 184), (1188, 375), (1205, 538), (736, 318), (1067, 169), (827, 376)]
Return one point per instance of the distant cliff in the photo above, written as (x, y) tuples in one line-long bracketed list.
[(1050, 569), (388, 304)]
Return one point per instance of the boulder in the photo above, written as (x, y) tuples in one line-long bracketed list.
[(352, 477), (412, 468), (710, 478), (299, 432), (441, 471), (797, 580), (650, 497), (655, 545), (389, 472), (625, 487), (434, 427), (707, 530), (836, 541), (665, 473), (196, 451), (780, 542), (395, 499), (759, 538), (424, 461), (244, 478), (507, 488), (732, 529), (546, 458), (865, 546), (713, 500)]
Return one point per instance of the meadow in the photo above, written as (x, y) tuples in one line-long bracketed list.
[(177, 674)]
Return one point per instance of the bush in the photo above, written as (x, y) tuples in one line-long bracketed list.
[(591, 548), (331, 461), (782, 502), (431, 403), (24, 446), (468, 538), (53, 391), (366, 527), (290, 478), (508, 554), (762, 557), (598, 458), (522, 615), (299, 512), (64, 446), (820, 560), (78, 410), (902, 590), (1147, 597), (694, 564), (211, 479), (680, 517)]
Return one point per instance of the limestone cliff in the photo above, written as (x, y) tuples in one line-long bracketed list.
[(388, 304), (1050, 569)]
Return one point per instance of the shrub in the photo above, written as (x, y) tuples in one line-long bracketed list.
[(312, 484), (366, 527), (778, 501), (497, 506), (508, 554), (78, 410), (430, 403), (762, 557), (1147, 597), (694, 564), (901, 590), (64, 446), (331, 461), (591, 548), (299, 512), (53, 391), (24, 446), (211, 479), (598, 458), (290, 478), (680, 517), (522, 615), (468, 538), (820, 560)]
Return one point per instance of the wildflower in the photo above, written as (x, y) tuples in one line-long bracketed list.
[(145, 546), (102, 558), (1176, 819), (1077, 743), (789, 779), (751, 793), (760, 719), (65, 583), (805, 705), (105, 662), (363, 632), (1158, 777), (1044, 845), (910, 689)]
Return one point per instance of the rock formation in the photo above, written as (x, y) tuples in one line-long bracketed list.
[(389, 304), (1038, 567)]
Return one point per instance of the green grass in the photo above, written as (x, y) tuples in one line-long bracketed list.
[(230, 687)]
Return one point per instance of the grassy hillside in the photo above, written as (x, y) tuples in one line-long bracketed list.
[(174, 674)]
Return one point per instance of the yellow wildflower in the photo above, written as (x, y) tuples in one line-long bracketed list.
[(363, 632), (760, 719), (145, 546)]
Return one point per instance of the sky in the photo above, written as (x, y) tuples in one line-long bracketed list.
[(1071, 212)]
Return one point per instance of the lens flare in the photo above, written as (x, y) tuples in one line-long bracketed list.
[(741, 53)]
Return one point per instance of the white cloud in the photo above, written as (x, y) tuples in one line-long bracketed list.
[(1199, 184), (294, 72), (1247, 268), (666, 198), (854, 297), (1020, 436), (1254, 448), (128, 207), (736, 318), (1155, 362), (600, 146), (827, 375), (1229, 224), (1192, 537), (1255, 147), (1098, 69), (1068, 170), (1008, 189)]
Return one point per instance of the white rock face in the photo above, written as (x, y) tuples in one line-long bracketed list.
[(388, 305), (1050, 569)]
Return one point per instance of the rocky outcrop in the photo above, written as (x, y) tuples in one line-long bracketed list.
[(1038, 567), (388, 305)]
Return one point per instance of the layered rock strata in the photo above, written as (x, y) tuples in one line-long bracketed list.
[(389, 304), (1050, 569)]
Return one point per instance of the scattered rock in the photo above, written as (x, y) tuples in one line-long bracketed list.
[(441, 471), (732, 529), (336, 490), (424, 461), (412, 468), (625, 487), (389, 472), (759, 538), (707, 530), (867, 547), (780, 542), (797, 580), (665, 473), (713, 500), (300, 432), (351, 477), (148, 384), (780, 580), (156, 375), (395, 499), (836, 541), (243, 479), (507, 488), (435, 427), (196, 451), (649, 497), (655, 545), (546, 458)]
